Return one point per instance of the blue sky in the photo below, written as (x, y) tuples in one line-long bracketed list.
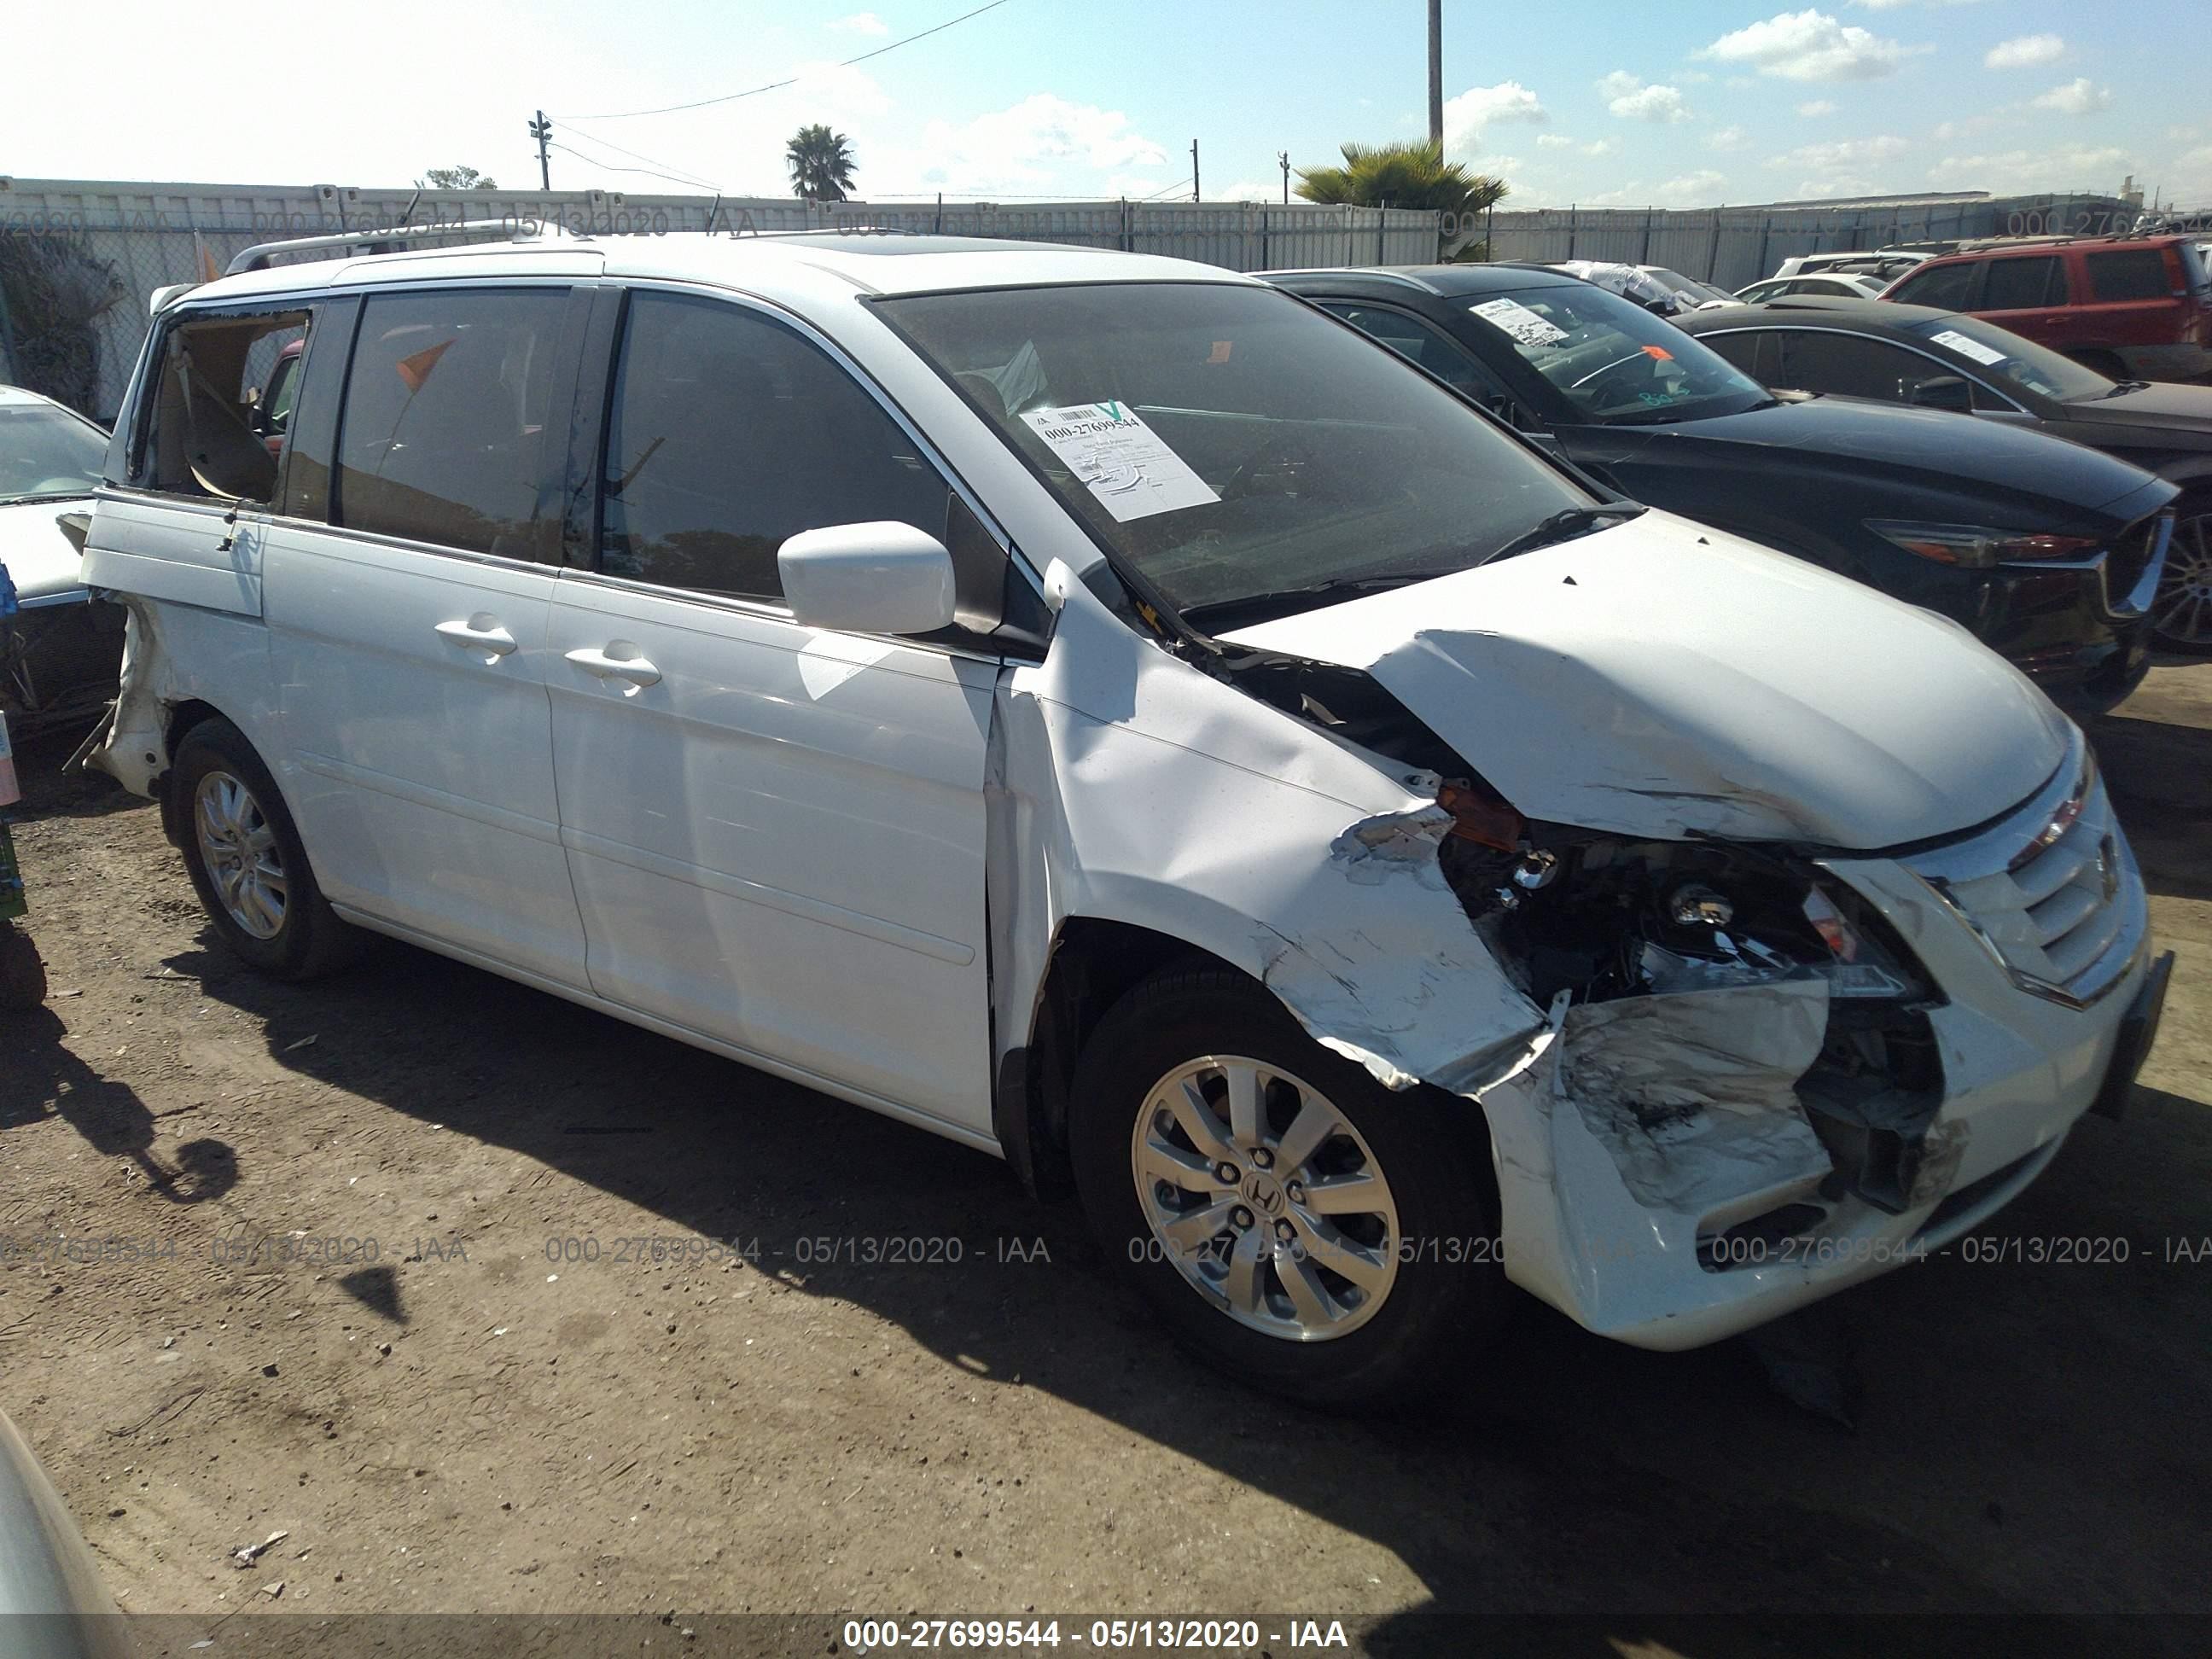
[(1611, 102)]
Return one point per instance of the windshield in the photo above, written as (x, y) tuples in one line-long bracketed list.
[(2001, 352), (1699, 291), (1613, 361), (47, 452), (1232, 443)]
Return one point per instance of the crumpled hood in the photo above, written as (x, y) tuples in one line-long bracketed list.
[(38, 557), (1661, 679)]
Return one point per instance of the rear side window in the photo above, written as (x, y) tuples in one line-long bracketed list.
[(207, 433), (1852, 366), (2137, 273), (446, 434), (1947, 287), (2017, 284), (1445, 358), (729, 434)]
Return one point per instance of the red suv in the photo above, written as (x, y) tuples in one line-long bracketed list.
[(2138, 308)]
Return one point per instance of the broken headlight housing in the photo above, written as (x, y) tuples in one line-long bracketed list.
[(1605, 917)]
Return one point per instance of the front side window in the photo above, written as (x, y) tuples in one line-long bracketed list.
[(447, 433), (47, 453), (1612, 362), (1852, 366), (2135, 273), (1229, 442), (207, 434), (730, 433), (1946, 287)]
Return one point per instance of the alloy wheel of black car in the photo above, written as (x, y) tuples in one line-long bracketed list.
[(2181, 614)]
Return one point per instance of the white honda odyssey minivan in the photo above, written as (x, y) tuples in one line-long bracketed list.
[(1103, 709)]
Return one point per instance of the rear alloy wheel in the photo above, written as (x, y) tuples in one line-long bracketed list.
[(2181, 614), (1288, 1219), (246, 860)]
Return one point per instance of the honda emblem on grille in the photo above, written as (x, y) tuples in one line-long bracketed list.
[(2108, 868)]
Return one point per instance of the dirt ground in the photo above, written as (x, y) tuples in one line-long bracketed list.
[(464, 1423)]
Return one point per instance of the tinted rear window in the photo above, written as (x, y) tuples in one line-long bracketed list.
[(2137, 273)]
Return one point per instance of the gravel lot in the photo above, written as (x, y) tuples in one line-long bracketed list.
[(464, 1424)]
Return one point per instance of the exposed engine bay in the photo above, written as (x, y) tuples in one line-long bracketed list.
[(1580, 918)]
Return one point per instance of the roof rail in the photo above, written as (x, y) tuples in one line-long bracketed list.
[(393, 240)]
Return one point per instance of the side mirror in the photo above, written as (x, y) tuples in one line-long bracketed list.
[(1949, 392), (880, 577)]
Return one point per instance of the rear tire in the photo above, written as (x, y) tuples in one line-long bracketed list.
[(246, 862), (1237, 1227)]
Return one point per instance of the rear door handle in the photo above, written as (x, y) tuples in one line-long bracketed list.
[(637, 670), (493, 640)]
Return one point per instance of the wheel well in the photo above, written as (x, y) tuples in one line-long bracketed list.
[(1094, 963), (182, 717)]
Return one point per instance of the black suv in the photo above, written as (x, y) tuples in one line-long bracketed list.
[(2048, 552)]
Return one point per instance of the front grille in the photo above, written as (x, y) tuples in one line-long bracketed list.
[(2052, 889)]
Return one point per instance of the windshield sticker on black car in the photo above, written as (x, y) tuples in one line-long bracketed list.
[(1125, 464), (1526, 327), (1985, 356)]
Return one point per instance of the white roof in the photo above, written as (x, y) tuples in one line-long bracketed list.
[(812, 262), (16, 396)]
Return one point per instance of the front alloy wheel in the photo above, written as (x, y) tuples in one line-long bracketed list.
[(1267, 1201), (2181, 614)]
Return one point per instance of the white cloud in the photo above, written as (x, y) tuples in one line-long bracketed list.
[(1699, 189), (838, 91), (1600, 147), (1811, 46), (862, 22), (1466, 116), (1728, 138), (2068, 167), (1844, 153), (2077, 97), (2024, 51), (1036, 142), (1631, 99), (1248, 189), (1818, 106), (1553, 141)]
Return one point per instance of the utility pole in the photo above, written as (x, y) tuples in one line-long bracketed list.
[(1194, 169), (1283, 161), (542, 131), (1436, 73)]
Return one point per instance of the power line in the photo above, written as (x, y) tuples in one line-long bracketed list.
[(652, 161), (608, 166), (773, 86)]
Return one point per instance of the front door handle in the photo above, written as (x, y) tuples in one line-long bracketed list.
[(478, 634), (637, 670)]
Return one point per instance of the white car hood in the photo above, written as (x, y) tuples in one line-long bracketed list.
[(1661, 679), (39, 559)]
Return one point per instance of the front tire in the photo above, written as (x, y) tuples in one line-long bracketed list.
[(246, 862), (1292, 1221), (2181, 613)]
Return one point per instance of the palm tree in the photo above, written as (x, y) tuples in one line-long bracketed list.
[(1411, 174), (821, 163)]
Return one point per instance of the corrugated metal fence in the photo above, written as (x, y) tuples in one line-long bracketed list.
[(77, 259), (1731, 247)]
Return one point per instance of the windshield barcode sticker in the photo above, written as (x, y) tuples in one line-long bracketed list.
[(1125, 464), (1959, 343), (1522, 323)]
